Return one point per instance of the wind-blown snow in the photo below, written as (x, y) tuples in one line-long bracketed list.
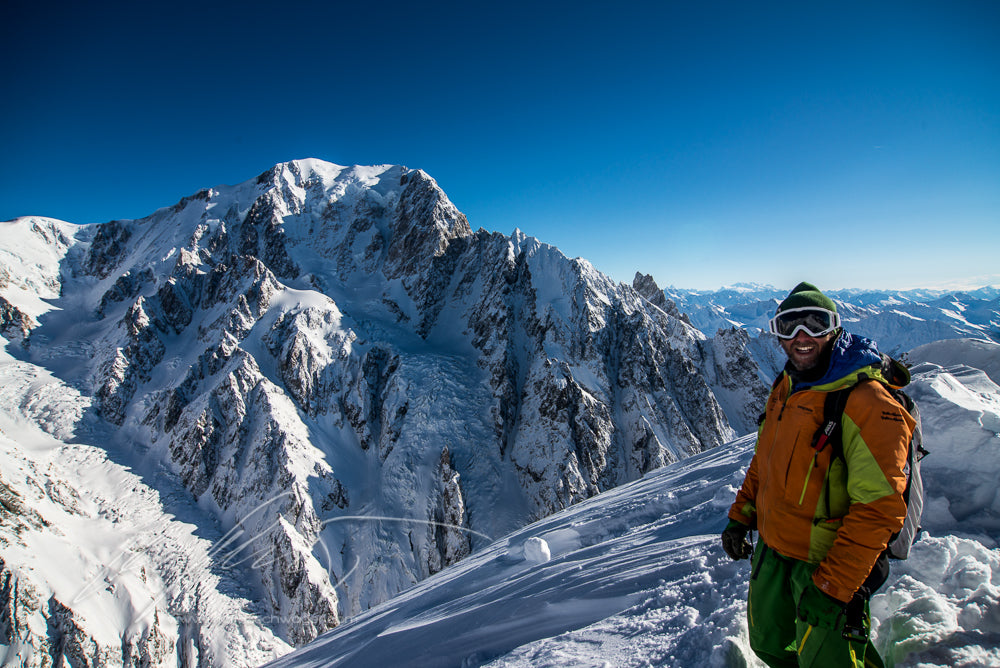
[(636, 575), (976, 353)]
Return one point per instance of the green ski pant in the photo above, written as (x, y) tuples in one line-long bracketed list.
[(778, 637)]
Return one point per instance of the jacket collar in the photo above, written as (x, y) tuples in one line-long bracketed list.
[(849, 354)]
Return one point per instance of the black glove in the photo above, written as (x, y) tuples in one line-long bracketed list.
[(735, 541)]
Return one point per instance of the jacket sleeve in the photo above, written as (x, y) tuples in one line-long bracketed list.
[(744, 509), (876, 436)]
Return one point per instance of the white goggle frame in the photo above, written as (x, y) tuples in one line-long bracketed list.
[(834, 322)]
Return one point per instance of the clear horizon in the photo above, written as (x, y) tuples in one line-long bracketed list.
[(845, 144)]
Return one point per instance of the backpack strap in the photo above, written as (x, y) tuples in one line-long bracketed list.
[(833, 414), (829, 432)]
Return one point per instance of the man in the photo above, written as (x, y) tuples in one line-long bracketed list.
[(823, 521)]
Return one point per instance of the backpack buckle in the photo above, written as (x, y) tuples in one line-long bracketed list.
[(823, 435)]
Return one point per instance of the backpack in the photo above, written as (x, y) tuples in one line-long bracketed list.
[(913, 494)]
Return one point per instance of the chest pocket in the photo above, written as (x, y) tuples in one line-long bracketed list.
[(808, 476), (800, 468)]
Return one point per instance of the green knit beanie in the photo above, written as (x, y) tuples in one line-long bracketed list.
[(806, 294)]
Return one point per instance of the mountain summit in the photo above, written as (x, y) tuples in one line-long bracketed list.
[(340, 385)]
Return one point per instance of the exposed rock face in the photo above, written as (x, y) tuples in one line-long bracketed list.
[(737, 380), (647, 288), (730, 367), (332, 362), (448, 518), (15, 324)]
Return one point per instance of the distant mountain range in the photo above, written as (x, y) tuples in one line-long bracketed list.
[(897, 320)]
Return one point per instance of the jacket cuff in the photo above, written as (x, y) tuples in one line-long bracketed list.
[(829, 588), (745, 514)]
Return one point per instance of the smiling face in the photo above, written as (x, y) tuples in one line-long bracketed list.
[(804, 351)]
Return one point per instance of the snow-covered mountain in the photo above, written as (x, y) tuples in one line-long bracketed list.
[(637, 577), (236, 422)]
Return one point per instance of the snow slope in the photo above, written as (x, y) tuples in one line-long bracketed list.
[(636, 576)]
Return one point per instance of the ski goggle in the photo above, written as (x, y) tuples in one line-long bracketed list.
[(812, 320)]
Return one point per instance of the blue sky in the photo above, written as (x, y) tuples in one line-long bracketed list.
[(852, 144)]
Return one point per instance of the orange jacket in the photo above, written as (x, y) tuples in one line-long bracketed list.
[(785, 491)]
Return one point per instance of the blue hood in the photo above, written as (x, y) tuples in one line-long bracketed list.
[(850, 353)]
